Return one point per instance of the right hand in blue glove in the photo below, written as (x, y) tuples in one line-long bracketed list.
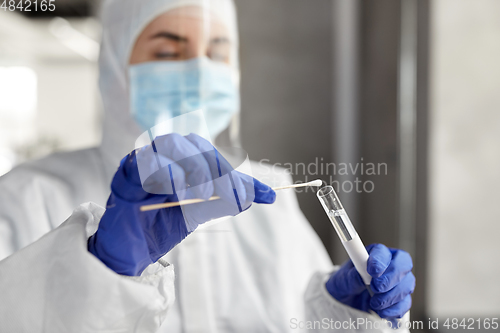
[(171, 169), (392, 283)]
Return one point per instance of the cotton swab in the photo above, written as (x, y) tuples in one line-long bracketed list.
[(317, 182)]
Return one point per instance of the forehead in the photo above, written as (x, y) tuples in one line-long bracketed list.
[(188, 19)]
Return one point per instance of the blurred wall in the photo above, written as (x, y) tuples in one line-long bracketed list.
[(66, 114), (465, 159), (68, 104)]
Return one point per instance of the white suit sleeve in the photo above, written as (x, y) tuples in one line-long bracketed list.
[(56, 285), (329, 314)]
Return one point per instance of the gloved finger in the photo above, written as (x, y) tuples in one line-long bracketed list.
[(400, 265), (379, 259), (248, 190), (159, 174), (129, 166), (227, 205), (127, 182), (233, 186), (397, 310), (232, 206), (202, 212), (244, 190), (238, 190), (209, 152), (167, 180), (243, 187), (395, 295), (346, 281), (218, 164), (197, 171), (219, 167), (263, 193)]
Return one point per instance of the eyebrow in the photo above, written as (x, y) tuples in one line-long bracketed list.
[(169, 35)]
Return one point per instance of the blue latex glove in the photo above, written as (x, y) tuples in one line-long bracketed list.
[(172, 168), (392, 283)]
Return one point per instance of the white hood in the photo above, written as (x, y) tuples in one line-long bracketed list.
[(123, 21)]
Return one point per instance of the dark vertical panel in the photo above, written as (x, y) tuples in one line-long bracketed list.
[(379, 80), (420, 264), (286, 87), (381, 21)]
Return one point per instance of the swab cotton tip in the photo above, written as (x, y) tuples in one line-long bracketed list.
[(317, 182)]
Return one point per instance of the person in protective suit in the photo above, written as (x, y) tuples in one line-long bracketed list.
[(169, 82)]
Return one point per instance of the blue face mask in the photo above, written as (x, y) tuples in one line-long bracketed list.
[(167, 89)]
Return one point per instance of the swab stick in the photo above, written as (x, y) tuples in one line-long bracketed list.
[(317, 182)]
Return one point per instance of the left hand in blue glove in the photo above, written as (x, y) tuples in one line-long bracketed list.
[(392, 283)]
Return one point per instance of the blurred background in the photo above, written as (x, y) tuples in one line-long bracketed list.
[(412, 85)]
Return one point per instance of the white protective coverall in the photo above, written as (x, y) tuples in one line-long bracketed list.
[(261, 271)]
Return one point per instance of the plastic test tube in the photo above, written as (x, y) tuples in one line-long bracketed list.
[(345, 230)]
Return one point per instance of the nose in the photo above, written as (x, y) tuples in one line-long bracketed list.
[(198, 47), (197, 52)]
